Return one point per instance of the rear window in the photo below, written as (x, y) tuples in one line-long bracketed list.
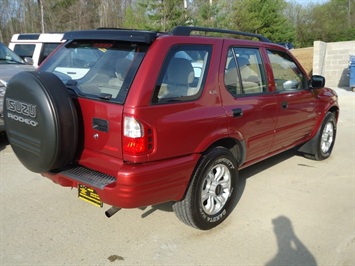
[(24, 50), (97, 69), (183, 74)]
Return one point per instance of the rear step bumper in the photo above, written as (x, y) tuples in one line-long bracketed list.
[(89, 177), (135, 185)]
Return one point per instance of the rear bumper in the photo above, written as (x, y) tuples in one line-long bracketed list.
[(137, 185)]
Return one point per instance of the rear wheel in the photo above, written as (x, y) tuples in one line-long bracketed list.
[(209, 198)]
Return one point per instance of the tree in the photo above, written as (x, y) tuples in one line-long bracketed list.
[(330, 22), (334, 21), (276, 19), (300, 17), (159, 15), (264, 17), (211, 13)]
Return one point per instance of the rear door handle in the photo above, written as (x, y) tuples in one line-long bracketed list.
[(100, 124), (284, 105), (237, 112)]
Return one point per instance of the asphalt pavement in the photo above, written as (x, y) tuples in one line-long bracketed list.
[(291, 211)]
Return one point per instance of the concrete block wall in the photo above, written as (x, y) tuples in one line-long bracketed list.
[(331, 60)]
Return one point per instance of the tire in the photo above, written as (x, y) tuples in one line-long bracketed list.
[(41, 121), (325, 138), (210, 196)]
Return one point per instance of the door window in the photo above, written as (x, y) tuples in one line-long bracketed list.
[(287, 75), (244, 72)]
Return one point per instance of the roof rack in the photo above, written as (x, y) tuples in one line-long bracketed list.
[(186, 31)]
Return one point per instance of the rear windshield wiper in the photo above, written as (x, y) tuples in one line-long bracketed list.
[(72, 85), (105, 96)]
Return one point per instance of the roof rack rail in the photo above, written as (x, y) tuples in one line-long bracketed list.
[(186, 31)]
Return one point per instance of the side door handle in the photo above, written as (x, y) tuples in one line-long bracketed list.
[(284, 105), (237, 112)]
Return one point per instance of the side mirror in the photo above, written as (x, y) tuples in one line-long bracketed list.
[(29, 60), (317, 81), (290, 85)]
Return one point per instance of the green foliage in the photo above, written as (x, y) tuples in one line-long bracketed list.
[(264, 17), (329, 22), (279, 20), (135, 18), (159, 15), (341, 24), (346, 34)]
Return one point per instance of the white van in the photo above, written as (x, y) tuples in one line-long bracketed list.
[(35, 45)]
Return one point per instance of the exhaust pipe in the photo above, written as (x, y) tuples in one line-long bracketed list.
[(111, 211)]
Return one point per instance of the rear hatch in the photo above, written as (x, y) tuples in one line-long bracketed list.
[(98, 68)]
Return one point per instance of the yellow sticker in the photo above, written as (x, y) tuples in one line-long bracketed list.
[(89, 195)]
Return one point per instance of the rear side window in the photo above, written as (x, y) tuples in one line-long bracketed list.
[(244, 72), (287, 75), (183, 74), (24, 50), (97, 69)]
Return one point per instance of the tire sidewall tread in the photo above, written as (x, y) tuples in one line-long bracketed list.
[(329, 117), (189, 210)]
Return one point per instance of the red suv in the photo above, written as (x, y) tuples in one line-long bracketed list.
[(135, 118)]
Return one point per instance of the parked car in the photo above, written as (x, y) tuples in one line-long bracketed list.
[(135, 118), (35, 45), (287, 45), (10, 64)]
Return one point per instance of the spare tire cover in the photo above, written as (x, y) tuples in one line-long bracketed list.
[(40, 120)]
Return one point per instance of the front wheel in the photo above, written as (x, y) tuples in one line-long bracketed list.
[(209, 198), (325, 138)]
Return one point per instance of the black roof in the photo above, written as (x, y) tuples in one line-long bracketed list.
[(112, 34)]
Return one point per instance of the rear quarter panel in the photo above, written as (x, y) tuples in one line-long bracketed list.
[(178, 128)]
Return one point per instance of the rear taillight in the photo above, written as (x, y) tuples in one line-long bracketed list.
[(137, 138)]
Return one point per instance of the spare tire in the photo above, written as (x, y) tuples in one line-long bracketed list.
[(41, 121)]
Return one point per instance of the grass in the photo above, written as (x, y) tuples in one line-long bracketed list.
[(305, 57)]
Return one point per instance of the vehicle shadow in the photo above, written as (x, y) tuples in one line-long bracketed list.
[(3, 141), (265, 164), (244, 174), (291, 250), (166, 207)]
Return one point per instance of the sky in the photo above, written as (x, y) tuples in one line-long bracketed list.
[(305, 2)]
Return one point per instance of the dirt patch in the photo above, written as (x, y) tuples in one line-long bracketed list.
[(305, 57)]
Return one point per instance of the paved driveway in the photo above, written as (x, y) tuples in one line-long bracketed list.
[(292, 211)]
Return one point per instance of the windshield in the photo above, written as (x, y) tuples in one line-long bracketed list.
[(9, 57), (97, 69)]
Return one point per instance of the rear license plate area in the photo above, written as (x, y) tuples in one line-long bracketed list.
[(89, 195)]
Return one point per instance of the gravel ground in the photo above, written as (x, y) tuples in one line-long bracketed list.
[(291, 211)]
